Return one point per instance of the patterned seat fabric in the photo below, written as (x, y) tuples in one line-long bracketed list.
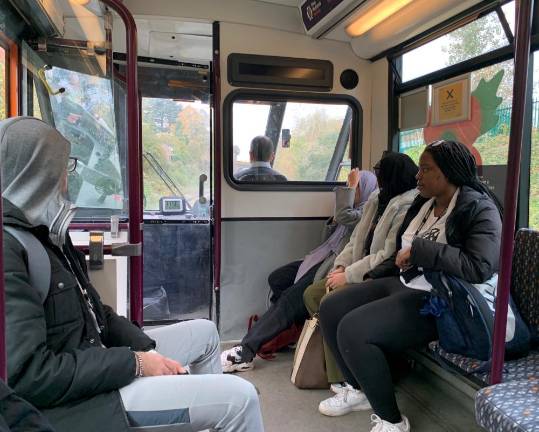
[(509, 407), (514, 370), (512, 406), (525, 279)]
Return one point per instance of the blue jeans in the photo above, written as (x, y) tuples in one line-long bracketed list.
[(205, 399)]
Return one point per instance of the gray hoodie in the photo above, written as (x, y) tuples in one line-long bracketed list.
[(34, 173)]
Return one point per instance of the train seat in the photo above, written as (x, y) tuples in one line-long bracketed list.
[(514, 404), (525, 292), (509, 407), (478, 371)]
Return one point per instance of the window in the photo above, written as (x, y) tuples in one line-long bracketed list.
[(471, 40), (35, 105), (486, 133), (3, 84), (84, 113), (307, 140), (534, 173), (176, 141)]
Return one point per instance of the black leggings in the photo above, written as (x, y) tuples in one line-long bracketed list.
[(289, 309), (362, 323)]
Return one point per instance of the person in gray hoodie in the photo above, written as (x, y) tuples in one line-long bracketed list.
[(86, 368)]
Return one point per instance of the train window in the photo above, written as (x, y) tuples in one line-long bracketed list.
[(306, 141), (534, 174), (36, 109), (176, 140), (478, 37), (486, 132), (3, 84), (83, 111)]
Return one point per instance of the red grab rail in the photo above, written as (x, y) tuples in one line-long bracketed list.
[(134, 155), (522, 54)]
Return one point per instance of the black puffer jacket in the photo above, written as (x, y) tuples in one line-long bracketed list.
[(17, 415), (57, 360), (473, 232)]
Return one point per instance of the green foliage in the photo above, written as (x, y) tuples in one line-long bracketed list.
[(476, 38), (181, 146), (312, 146), (534, 181)]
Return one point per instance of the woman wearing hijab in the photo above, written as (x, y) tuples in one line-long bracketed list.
[(373, 240), (289, 282), (454, 227)]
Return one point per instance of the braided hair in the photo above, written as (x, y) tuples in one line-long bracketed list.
[(458, 165), (396, 175)]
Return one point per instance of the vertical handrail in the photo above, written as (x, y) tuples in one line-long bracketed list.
[(134, 158), (522, 53), (3, 357), (217, 168)]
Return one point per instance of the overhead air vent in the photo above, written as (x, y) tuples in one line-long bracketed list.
[(321, 16), (45, 16)]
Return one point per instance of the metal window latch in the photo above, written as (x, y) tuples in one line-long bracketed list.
[(127, 249)]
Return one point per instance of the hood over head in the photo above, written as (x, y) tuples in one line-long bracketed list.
[(34, 159)]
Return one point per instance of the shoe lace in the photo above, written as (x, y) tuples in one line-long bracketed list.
[(340, 398), (381, 425), (377, 423)]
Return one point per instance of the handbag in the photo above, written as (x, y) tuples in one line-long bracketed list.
[(309, 367)]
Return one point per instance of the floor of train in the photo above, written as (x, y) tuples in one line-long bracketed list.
[(430, 404)]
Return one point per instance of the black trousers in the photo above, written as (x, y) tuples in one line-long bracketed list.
[(282, 278), (289, 309), (363, 324)]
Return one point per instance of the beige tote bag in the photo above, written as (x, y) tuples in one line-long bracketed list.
[(309, 368)]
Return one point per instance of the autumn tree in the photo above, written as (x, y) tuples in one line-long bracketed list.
[(476, 38)]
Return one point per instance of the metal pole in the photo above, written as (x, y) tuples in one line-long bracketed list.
[(134, 155), (3, 358), (522, 54), (217, 161)]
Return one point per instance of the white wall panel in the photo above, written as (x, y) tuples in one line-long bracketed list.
[(239, 38), (379, 108)]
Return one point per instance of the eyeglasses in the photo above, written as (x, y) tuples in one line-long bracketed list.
[(72, 164)]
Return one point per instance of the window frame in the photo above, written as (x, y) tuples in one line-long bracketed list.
[(11, 75), (356, 131), (396, 87)]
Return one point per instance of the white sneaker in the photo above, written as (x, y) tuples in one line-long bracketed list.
[(338, 387), (384, 426), (348, 400), (231, 361)]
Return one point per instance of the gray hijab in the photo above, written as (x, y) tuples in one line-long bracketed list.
[(34, 159)]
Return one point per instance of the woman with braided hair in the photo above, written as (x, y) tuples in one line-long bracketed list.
[(453, 226)]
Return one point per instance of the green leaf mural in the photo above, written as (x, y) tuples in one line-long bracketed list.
[(486, 94)]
